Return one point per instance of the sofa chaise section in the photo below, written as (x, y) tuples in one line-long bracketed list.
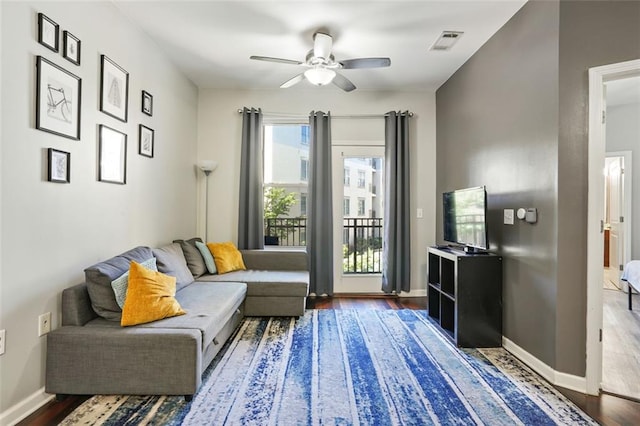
[(277, 282)]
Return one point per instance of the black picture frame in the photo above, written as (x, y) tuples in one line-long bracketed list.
[(71, 47), (147, 103), (58, 100), (48, 32), (59, 165), (114, 89), (146, 141), (112, 155)]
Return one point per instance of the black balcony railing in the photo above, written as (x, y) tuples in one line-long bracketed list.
[(361, 241), (286, 231)]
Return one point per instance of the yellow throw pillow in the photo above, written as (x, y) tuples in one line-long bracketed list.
[(227, 257), (150, 296)]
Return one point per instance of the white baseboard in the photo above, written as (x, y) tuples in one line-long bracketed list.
[(422, 292), (557, 378), (24, 408)]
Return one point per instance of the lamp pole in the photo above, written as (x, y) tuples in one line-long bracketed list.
[(207, 167), (206, 205)]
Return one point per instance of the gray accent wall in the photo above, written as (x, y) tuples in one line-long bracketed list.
[(591, 34), (515, 118), (497, 125)]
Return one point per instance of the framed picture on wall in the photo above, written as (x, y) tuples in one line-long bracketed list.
[(59, 166), (70, 47), (114, 89), (147, 103), (146, 141), (112, 155), (58, 95), (48, 32)]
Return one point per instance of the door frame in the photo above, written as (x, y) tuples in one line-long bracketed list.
[(595, 242)]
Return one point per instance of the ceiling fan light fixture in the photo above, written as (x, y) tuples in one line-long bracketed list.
[(319, 76)]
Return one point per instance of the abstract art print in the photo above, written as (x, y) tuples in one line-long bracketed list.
[(114, 89), (58, 96), (48, 32), (71, 47), (146, 141), (147, 103), (59, 166)]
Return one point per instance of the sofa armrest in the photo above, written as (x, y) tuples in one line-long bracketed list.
[(76, 306), (134, 361), (276, 260)]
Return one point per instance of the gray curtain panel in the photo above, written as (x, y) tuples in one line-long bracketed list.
[(396, 247), (320, 217), (251, 211)]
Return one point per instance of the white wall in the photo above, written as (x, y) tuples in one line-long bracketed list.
[(623, 134), (219, 134), (51, 232)]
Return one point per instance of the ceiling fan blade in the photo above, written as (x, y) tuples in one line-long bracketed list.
[(322, 44), (295, 80), (343, 82), (279, 60), (365, 63)]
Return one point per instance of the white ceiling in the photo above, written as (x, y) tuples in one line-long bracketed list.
[(211, 41)]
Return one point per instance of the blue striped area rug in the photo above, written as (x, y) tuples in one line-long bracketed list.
[(349, 367)]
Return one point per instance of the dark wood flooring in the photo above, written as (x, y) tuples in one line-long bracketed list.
[(605, 409)]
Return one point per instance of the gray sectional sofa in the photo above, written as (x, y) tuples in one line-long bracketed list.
[(91, 353)]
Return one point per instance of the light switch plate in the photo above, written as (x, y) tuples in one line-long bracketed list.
[(419, 213), (508, 216)]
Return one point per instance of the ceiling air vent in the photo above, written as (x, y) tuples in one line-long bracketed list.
[(446, 40)]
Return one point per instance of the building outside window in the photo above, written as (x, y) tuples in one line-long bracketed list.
[(303, 204), (361, 179), (304, 135), (361, 206), (347, 176), (346, 207), (304, 169)]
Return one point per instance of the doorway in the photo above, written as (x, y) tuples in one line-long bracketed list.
[(617, 217), (358, 204), (598, 76)]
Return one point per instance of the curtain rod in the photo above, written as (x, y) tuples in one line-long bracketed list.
[(286, 115)]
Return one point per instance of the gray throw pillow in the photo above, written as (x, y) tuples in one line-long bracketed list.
[(100, 276), (192, 255), (170, 260)]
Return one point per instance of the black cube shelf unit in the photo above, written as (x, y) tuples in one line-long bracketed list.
[(464, 294)]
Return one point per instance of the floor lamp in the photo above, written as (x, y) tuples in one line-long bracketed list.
[(207, 166)]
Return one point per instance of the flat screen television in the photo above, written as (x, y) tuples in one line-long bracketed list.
[(465, 218)]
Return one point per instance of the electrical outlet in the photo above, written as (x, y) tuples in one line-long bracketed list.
[(2, 341), (44, 324)]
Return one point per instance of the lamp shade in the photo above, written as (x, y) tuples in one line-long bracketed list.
[(207, 165), (319, 76)]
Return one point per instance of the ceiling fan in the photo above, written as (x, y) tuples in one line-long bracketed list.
[(322, 65)]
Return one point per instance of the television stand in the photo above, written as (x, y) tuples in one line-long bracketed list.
[(464, 296)]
